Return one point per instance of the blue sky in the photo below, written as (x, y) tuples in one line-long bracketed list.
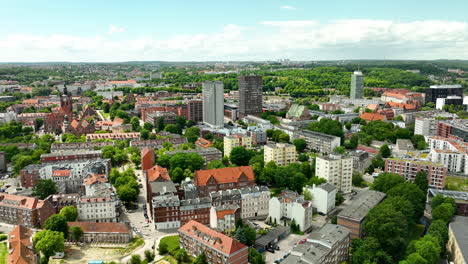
[(103, 30)]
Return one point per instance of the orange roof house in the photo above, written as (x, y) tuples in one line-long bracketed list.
[(157, 173), (20, 246), (224, 175), (372, 117), (201, 142)]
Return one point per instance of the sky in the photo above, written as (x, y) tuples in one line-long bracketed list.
[(240, 30)]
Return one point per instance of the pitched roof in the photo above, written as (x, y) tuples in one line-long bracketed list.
[(61, 173), (211, 238), (157, 173), (372, 117), (91, 179), (21, 249), (296, 110), (223, 175), (18, 201), (91, 227)]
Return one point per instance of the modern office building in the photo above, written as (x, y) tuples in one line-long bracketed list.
[(357, 85), (250, 94), (213, 104), (337, 170), (281, 153), (443, 91), (195, 110)]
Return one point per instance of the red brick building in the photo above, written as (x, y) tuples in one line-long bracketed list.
[(23, 210), (147, 158), (223, 179), (196, 238), (195, 110), (71, 155), (407, 168), (29, 175)]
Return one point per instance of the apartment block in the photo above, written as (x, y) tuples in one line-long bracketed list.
[(255, 202), (453, 129), (318, 141), (23, 210), (223, 179), (281, 153), (288, 206), (208, 154), (157, 143), (223, 218), (250, 95), (408, 168), (195, 110), (337, 170), (323, 197), (233, 141), (450, 152), (98, 209), (79, 146), (71, 155), (353, 216), (196, 238), (328, 245)]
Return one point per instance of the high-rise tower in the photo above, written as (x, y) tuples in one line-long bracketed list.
[(250, 95), (357, 85), (213, 104)]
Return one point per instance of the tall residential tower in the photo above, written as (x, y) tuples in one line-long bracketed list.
[(250, 95), (213, 104), (357, 85)]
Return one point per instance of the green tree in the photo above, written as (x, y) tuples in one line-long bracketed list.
[(297, 182), (412, 193), (177, 175), (135, 259), (255, 257), (358, 181), (421, 181), (172, 129), (127, 194), (48, 242), (240, 156), (327, 126), (70, 213), (443, 212), (246, 235), (307, 195), (57, 222), (369, 252), (385, 151), (44, 188), (160, 124), (414, 258), (283, 138), (135, 122), (200, 259), (215, 164), (300, 144), (148, 126), (21, 162), (181, 255), (149, 255), (162, 248), (386, 181), (191, 161), (192, 134), (76, 233), (439, 229), (427, 247)]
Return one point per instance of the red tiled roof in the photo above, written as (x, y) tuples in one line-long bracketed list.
[(212, 238), (61, 173), (20, 251), (18, 201), (201, 142), (223, 175), (95, 178), (221, 214), (122, 82), (157, 173), (366, 149), (91, 227), (372, 117)]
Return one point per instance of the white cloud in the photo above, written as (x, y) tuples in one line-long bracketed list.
[(115, 29), (288, 7), (297, 40)]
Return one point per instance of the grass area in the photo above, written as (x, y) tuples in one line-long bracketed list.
[(3, 253), (172, 260), (171, 241), (418, 231), (105, 115), (456, 183), (134, 244)]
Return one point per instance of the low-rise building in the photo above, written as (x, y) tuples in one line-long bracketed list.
[(298, 112), (23, 210), (233, 141), (408, 168), (98, 209), (223, 218), (352, 217), (208, 154), (318, 141), (281, 153), (113, 136), (20, 246), (328, 245), (169, 117), (71, 155), (323, 197), (196, 238), (255, 202), (403, 146), (457, 244), (157, 143), (258, 135), (361, 160), (78, 146), (223, 179), (337, 170), (119, 233), (290, 206)]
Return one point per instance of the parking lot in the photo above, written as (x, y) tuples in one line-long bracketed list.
[(285, 246)]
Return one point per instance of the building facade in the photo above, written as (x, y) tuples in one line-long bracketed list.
[(223, 179), (213, 104), (196, 238), (357, 85), (223, 218), (323, 197), (23, 210), (456, 245), (337, 170), (281, 153), (408, 168), (118, 233), (255, 202), (318, 141), (233, 141), (442, 91), (250, 95), (98, 209), (195, 110), (288, 206)]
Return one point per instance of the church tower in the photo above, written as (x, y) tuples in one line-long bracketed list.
[(66, 105)]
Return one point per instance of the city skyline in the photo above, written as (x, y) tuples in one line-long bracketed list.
[(242, 31)]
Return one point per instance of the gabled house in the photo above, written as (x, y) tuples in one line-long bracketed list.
[(223, 179)]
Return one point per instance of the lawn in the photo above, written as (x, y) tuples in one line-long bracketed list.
[(136, 242), (172, 260), (3, 253), (455, 183), (171, 241), (418, 231)]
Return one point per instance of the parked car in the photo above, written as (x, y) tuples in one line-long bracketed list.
[(272, 250), (276, 247)]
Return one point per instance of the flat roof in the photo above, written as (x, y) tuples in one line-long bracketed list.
[(459, 227), (359, 208)]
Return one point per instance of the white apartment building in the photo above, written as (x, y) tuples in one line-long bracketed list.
[(237, 140), (453, 154), (213, 104), (223, 218), (281, 153), (255, 202), (426, 126), (323, 197), (337, 170), (288, 206), (97, 209)]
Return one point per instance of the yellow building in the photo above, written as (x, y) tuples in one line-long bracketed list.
[(281, 153), (457, 242), (233, 141)]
